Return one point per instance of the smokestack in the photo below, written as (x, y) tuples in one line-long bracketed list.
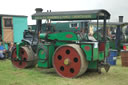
[(121, 18), (38, 10)]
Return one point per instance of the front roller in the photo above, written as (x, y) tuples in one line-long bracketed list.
[(28, 59), (69, 61)]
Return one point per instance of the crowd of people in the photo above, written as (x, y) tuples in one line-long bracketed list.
[(6, 53)]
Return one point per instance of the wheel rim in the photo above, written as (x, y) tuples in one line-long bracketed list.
[(27, 58), (19, 63), (68, 61)]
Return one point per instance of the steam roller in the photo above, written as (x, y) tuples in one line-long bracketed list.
[(26, 59), (71, 52), (69, 61)]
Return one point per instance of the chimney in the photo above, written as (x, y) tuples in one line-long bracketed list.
[(48, 10), (121, 18), (38, 10)]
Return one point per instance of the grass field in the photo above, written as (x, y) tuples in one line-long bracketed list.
[(10, 75)]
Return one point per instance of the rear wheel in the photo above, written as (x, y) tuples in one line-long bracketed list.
[(69, 61)]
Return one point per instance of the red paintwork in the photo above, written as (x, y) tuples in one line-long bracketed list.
[(101, 46), (42, 52), (69, 35), (87, 48), (16, 63), (58, 63), (125, 47), (76, 27)]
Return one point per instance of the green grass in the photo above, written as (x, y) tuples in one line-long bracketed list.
[(10, 75)]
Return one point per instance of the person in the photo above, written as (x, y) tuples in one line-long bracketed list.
[(2, 50), (10, 48), (90, 34)]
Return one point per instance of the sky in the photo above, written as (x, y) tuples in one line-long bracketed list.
[(27, 7)]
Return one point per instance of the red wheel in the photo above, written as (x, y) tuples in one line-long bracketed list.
[(27, 58), (69, 61)]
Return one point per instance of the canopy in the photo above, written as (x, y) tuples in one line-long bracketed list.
[(73, 15)]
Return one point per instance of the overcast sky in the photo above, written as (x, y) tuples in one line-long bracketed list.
[(27, 7)]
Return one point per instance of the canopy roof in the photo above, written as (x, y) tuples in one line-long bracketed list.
[(72, 15)]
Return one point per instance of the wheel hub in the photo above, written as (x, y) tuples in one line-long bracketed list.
[(67, 61)]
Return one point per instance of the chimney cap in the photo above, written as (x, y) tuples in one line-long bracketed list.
[(38, 10), (121, 18)]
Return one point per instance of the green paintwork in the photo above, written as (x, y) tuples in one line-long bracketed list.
[(93, 65), (18, 46), (98, 36), (42, 35), (95, 54), (126, 47), (62, 36), (87, 53), (18, 50), (101, 55), (107, 49), (19, 25), (87, 16), (59, 43), (92, 54), (42, 56), (66, 26), (112, 44)]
